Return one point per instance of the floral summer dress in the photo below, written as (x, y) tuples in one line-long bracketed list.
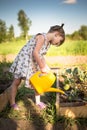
[(24, 64)]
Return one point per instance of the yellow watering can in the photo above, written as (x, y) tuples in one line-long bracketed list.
[(43, 82)]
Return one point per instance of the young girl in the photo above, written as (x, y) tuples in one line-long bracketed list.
[(30, 59)]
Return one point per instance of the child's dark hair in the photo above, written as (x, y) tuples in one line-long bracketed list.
[(59, 29)]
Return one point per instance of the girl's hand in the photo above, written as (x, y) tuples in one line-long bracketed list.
[(45, 69)]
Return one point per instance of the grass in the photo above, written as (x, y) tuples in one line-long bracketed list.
[(11, 47), (68, 48)]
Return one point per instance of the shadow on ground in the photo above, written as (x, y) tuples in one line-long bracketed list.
[(31, 117)]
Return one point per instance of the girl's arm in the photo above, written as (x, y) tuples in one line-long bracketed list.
[(41, 62)]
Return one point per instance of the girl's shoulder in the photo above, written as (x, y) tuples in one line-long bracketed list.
[(41, 34), (34, 37)]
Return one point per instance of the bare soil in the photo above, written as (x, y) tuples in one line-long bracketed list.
[(64, 60), (68, 60)]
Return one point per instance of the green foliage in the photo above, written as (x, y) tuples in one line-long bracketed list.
[(12, 47), (5, 76), (75, 36), (82, 121), (70, 47), (24, 23), (81, 34), (22, 91), (70, 122), (76, 79), (3, 30), (10, 33)]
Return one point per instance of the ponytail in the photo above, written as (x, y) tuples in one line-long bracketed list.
[(62, 25)]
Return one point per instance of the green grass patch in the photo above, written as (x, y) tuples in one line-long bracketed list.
[(11, 47), (69, 48), (78, 47)]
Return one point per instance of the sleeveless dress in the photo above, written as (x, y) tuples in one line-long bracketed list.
[(24, 65)]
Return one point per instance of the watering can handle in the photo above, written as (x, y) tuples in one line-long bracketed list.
[(42, 74)]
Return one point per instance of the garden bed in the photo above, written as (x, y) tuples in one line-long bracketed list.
[(29, 117), (73, 110)]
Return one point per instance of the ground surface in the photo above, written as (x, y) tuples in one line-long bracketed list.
[(21, 120), (30, 117), (64, 60)]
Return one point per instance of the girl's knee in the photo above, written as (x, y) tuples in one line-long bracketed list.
[(17, 82)]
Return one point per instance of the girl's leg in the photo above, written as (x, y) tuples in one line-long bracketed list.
[(37, 98), (13, 91), (40, 104)]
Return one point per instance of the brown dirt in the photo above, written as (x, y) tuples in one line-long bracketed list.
[(68, 59), (63, 60)]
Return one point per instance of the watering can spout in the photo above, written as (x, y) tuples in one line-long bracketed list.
[(55, 90)]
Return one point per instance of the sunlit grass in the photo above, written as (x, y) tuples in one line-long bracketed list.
[(68, 48), (11, 47)]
